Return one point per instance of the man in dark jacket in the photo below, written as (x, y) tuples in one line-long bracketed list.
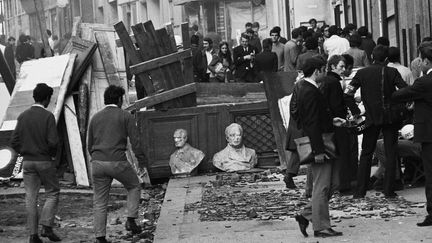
[(312, 115), (244, 58), (197, 61), (10, 55), (24, 51), (421, 93), (266, 61), (35, 138), (377, 83)]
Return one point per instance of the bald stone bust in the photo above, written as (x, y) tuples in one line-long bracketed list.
[(235, 156), (186, 158)]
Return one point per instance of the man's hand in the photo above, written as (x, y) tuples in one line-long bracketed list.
[(320, 158), (339, 122)]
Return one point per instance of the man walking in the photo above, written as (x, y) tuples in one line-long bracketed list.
[(107, 143), (311, 113), (35, 138), (421, 93)]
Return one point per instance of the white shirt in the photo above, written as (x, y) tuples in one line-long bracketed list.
[(405, 72), (2, 48), (430, 70), (209, 57), (311, 81), (39, 105), (112, 105), (336, 45)]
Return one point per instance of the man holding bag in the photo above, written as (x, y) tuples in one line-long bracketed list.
[(311, 114)]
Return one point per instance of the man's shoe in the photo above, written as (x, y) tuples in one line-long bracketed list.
[(289, 182), (426, 222), (49, 233), (101, 240), (35, 239), (132, 226), (327, 233), (303, 224)]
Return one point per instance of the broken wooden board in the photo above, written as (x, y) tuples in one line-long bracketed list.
[(107, 59), (187, 62), (6, 74), (84, 50), (163, 97), (160, 61), (75, 145), (30, 74), (276, 86), (219, 93)]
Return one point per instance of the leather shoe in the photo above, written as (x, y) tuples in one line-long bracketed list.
[(327, 233), (48, 232), (426, 222), (132, 226), (289, 182), (303, 224), (35, 239)]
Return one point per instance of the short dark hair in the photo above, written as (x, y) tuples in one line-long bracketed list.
[(295, 33), (209, 40), (312, 64), (311, 43), (351, 27), (334, 60), (275, 30), (11, 38), (248, 24), (349, 60), (425, 49), (393, 54), (428, 38), (22, 38), (380, 53), (194, 27), (255, 25), (383, 41), (194, 40), (42, 92), (267, 44), (112, 94), (355, 40), (363, 31), (244, 35), (312, 20), (333, 30)]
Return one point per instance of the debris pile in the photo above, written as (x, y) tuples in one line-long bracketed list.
[(234, 197)]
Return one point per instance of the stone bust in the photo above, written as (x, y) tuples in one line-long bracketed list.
[(186, 158), (235, 156)]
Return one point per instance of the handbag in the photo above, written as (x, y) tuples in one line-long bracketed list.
[(304, 148), (393, 113)]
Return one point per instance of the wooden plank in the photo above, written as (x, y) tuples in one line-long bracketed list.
[(76, 148), (6, 74), (187, 63), (134, 57), (163, 97), (120, 44), (278, 85), (107, 59), (160, 61), (64, 86), (170, 31)]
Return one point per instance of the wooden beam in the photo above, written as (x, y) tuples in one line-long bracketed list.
[(163, 97), (120, 44), (160, 61), (6, 74), (187, 63)]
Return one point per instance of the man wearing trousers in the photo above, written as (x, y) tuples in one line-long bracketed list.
[(107, 143), (35, 138), (421, 93), (313, 116)]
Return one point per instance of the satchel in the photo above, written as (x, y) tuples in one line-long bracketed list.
[(304, 148), (393, 113)]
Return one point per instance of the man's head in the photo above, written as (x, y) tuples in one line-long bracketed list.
[(114, 95), (311, 43), (333, 30), (380, 53), (383, 41), (314, 68), (267, 44), (248, 26), (336, 64), (349, 64), (23, 38), (297, 36), (180, 138), (42, 94), (351, 28), (244, 40), (255, 26), (394, 54), (313, 23), (194, 28), (355, 40), (275, 35), (207, 43), (234, 134), (363, 31), (11, 40), (195, 40), (325, 30), (426, 55)]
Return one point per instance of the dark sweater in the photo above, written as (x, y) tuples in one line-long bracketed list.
[(35, 136), (108, 133)]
